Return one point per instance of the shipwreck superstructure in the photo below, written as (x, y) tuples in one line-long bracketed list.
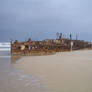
[(30, 47), (47, 46)]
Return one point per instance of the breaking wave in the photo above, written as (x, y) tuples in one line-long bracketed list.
[(5, 46)]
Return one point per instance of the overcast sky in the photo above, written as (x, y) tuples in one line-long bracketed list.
[(40, 19)]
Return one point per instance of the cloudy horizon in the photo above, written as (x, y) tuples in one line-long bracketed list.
[(40, 19)]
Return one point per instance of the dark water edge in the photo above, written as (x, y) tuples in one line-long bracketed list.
[(13, 80)]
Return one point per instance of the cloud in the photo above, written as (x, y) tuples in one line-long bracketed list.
[(44, 17)]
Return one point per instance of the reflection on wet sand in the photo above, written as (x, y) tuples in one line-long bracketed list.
[(62, 72), (14, 58), (15, 80)]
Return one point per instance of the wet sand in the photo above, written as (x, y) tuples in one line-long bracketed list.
[(15, 80), (62, 72)]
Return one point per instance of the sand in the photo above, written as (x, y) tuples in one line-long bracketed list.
[(62, 72)]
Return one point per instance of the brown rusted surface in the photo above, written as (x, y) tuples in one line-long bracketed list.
[(45, 47)]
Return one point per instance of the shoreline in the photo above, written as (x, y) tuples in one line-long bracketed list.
[(62, 72), (16, 57)]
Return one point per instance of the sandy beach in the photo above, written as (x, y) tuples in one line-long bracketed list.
[(62, 72)]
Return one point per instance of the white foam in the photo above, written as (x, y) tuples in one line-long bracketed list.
[(5, 49), (5, 46)]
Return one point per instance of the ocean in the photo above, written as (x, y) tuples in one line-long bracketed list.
[(13, 79), (51, 73), (5, 46)]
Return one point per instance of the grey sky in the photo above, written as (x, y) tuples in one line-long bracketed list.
[(39, 19)]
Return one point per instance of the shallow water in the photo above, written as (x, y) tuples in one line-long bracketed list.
[(14, 80), (63, 72)]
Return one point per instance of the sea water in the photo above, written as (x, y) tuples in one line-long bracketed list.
[(5, 46), (14, 80)]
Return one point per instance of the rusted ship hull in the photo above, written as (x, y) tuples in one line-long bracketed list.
[(37, 49)]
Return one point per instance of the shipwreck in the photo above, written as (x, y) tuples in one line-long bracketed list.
[(47, 46)]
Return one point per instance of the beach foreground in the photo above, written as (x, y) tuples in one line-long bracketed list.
[(62, 72)]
